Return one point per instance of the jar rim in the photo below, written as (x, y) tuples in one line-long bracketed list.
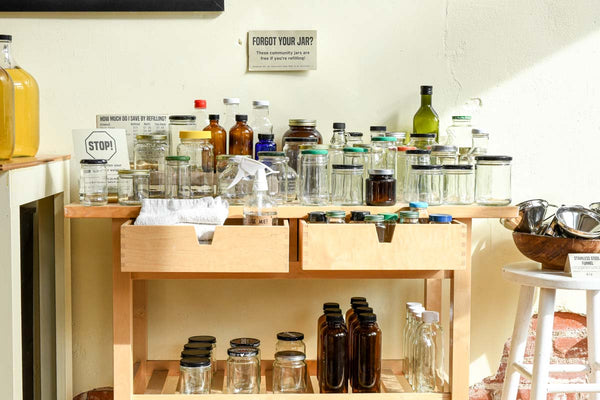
[(177, 158), (302, 122), (336, 214), (427, 167), (290, 336), (422, 135), (202, 339), (271, 154), (151, 136), (458, 167), (315, 151), (384, 139), (243, 351), (195, 362), (494, 158), (381, 172), (290, 355)]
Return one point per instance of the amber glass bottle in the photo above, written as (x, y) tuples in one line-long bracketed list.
[(366, 343), (350, 314), (352, 325), (334, 368), (352, 301), (321, 324), (218, 136), (241, 137)]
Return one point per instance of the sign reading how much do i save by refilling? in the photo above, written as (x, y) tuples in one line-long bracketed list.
[(282, 50)]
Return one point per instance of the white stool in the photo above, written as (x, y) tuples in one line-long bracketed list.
[(529, 275)]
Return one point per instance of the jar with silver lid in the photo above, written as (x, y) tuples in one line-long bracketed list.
[(289, 372), (444, 155), (425, 184), (133, 186), (347, 185), (149, 153), (480, 142), (178, 123), (400, 137), (93, 182), (384, 152), (196, 145), (459, 184), (314, 177), (380, 188), (493, 180), (243, 370), (196, 376), (227, 169), (177, 181), (290, 341)]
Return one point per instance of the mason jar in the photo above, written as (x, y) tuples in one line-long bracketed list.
[(336, 217), (384, 151), (444, 155), (413, 157), (177, 182), (149, 153), (422, 141), (347, 185), (314, 177), (459, 184), (132, 187), (178, 123), (196, 376), (277, 183), (425, 184), (291, 148), (289, 372), (243, 370), (290, 341), (493, 180), (196, 145), (227, 169), (93, 182)]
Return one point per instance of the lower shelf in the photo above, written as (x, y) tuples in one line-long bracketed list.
[(160, 380)]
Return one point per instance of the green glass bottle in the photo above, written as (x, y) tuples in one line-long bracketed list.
[(426, 119)]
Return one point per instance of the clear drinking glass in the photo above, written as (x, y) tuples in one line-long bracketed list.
[(177, 182), (347, 185), (133, 186), (93, 183), (289, 372), (493, 180), (459, 184), (425, 184), (196, 375), (196, 145), (278, 183), (178, 123), (149, 153), (314, 177), (227, 169), (243, 370)]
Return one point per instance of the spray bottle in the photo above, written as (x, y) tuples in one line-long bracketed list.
[(259, 207)]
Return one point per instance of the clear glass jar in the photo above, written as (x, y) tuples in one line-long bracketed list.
[(246, 342), (444, 155), (422, 141), (177, 180), (425, 184), (227, 169), (178, 123), (133, 186), (278, 183), (480, 142), (377, 220), (377, 130), (290, 341), (317, 217), (302, 128), (459, 184), (336, 217), (347, 185), (413, 157), (357, 217), (196, 376), (465, 157), (408, 217), (493, 180), (402, 170), (291, 148), (289, 372), (93, 183), (421, 208), (260, 122), (353, 138), (149, 153), (314, 177), (400, 137), (440, 219), (355, 155), (389, 221), (384, 153), (380, 188), (243, 370), (196, 145), (213, 347), (459, 133)]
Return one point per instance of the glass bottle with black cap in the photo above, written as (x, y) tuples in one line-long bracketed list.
[(218, 136), (426, 119), (366, 342), (241, 137), (334, 368)]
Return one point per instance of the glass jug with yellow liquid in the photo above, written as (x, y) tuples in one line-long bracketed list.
[(7, 116), (27, 103)]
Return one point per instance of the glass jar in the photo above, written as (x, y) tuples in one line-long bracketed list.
[(336, 217), (389, 221), (265, 142), (195, 375), (260, 122), (402, 170), (421, 208), (408, 217), (317, 217), (347, 185), (246, 342), (377, 130), (480, 142), (444, 155), (422, 141), (384, 151), (358, 216), (289, 372), (290, 341), (425, 184), (229, 166), (400, 136), (93, 183), (7, 115), (196, 145), (198, 346), (353, 138), (218, 136), (354, 155), (377, 220), (459, 184), (177, 180), (459, 133), (440, 219), (243, 370), (178, 123), (278, 183), (413, 157), (465, 156), (380, 188), (314, 178), (149, 153), (302, 128), (213, 349), (133, 186), (291, 148), (493, 180)]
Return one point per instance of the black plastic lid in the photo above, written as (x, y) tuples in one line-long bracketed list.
[(357, 304), (493, 158), (266, 136), (339, 125), (91, 161), (346, 166), (422, 135), (244, 342), (457, 166), (195, 362), (290, 336), (334, 318), (355, 299), (358, 215), (331, 305), (332, 310), (367, 317), (213, 116), (195, 353), (363, 310), (355, 134), (241, 117), (202, 339), (317, 216), (181, 117), (426, 167), (6, 37), (198, 346), (243, 351), (378, 128), (307, 139), (426, 89), (418, 151)]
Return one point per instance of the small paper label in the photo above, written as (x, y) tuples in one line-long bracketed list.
[(258, 220), (282, 50), (583, 265)]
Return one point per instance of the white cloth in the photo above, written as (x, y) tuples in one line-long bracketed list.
[(204, 214)]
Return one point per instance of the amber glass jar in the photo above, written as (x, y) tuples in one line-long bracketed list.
[(366, 343), (380, 188), (302, 128), (218, 136), (334, 367), (241, 137)]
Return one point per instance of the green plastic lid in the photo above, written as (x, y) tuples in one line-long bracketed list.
[(462, 117), (384, 139), (336, 214), (374, 218), (177, 158), (389, 216), (355, 150), (408, 214), (271, 154), (315, 151)]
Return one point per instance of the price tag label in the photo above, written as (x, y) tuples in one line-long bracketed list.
[(583, 266)]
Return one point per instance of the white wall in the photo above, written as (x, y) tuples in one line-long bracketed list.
[(527, 70)]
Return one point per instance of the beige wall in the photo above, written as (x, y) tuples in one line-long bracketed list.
[(527, 70)]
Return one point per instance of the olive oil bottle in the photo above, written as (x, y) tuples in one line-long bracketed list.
[(426, 119)]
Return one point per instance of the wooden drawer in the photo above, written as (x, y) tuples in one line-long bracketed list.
[(235, 248), (356, 247)]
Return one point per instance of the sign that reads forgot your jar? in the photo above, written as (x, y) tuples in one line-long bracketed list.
[(282, 50)]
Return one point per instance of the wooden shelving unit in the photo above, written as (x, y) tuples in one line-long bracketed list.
[(142, 253)]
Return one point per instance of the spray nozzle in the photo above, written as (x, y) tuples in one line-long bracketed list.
[(250, 167)]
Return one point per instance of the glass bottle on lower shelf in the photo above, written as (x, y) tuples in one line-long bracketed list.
[(366, 343), (405, 332), (334, 365), (429, 355)]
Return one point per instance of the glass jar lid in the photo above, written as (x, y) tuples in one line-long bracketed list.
[(347, 167), (378, 128), (92, 161), (458, 167), (389, 216), (290, 355), (271, 154), (152, 136), (506, 159), (418, 204), (315, 152), (195, 353), (134, 172), (307, 139), (195, 135), (317, 216), (291, 336), (244, 342), (423, 135), (355, 150), (381, 172), (303, 122), (243, 351), (461, 117), (197, 346), (418, 151), (182, 118), (195, 362), (408, 214), (420, 167), (336, 214), (177, 158), (202, 339), (384, 139), (438, 148), (374, 218), (397, 135), (440, 218)]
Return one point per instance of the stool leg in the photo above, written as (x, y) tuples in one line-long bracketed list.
[(518, 342), (593, 330), (543, 345)]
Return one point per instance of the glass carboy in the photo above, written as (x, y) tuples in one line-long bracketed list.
[(149, 154), (196, 145)]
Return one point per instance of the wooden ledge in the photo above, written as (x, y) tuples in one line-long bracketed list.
[(23, 162)]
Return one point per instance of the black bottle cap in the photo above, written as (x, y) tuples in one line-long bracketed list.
[(339, 125), (332, 311), (182, 117), (202, 339), (355, 299), (316, 216), (213, 116), (266, 136), (357, 304), (6, 37), (426, 89), (195, 353), (358, 215), (241, 117), (418, 151), (290, 336), (378, 128), (422, 135), (335, 318), (363, 310), (244, 342), (367, 317), (355, 134), (198, 346), (195, 362), (331, 305)]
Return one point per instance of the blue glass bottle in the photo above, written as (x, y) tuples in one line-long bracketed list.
[(266, 142)]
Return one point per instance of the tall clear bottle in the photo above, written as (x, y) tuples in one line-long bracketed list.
[(426, 119), (7, 115), (416, 322), (202, 119), (26, 100), (259, 121), (405, 332), (429, 354)]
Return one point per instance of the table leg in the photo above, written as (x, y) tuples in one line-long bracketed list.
[(140, 334)]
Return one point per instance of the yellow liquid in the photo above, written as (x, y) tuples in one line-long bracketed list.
[(27, 113), (7, 116)]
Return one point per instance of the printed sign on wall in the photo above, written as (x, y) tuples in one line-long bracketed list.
[(282, 50)]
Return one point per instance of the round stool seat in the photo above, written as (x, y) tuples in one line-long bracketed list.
[(530, 273)]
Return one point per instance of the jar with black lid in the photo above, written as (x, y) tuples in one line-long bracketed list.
[(210, 340), (381, 188), (302, 128), (377, 130), (358, 216), (317, 217), (290, 341), (422, 141)]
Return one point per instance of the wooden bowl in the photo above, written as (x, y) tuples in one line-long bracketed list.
[(550, 251)]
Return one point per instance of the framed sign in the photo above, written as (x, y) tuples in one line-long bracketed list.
[(112, 5)]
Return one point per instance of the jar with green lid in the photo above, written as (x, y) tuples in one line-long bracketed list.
[(311, 146), (177, 182), (302, 128), (197, 146), (389, 220), (384, 152), (314, 177), (336, 217), (149, 153), (277, 183), (133, 186), (422, 141), (231, 165), (377, 220), (444, 155), (408, 217)]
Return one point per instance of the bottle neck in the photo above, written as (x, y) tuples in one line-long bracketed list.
[(214, 122), (425, 100), (6, 59)]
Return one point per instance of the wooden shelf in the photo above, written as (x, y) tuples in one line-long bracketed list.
[(22, 162)]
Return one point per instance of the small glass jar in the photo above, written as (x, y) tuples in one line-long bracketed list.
[(291, 148), (302, 128), (408, 217), (384, 152), (196, 375), (493, 180), (444, 155), (243, 370), (177, 182), (278, 183), (358, 216), (402, 170), (227, 169), (354, 155), (314, 177), (196, 145), (389, 221), (289, 372), (133, 186), (421, 208), (480, 142), (347, 185), (213, 350), (93, 183), (400, 137), (377, 220), (377, 130), (422, 141), (380, 188), (465, 157), (317, 217), (440, 219), (353, 138), (246, 342), (460, 130), (414, 157), (266, 142), (459, 184), (336, 217), (425, 184), (290, 341), (149, 153), (178, 123)]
